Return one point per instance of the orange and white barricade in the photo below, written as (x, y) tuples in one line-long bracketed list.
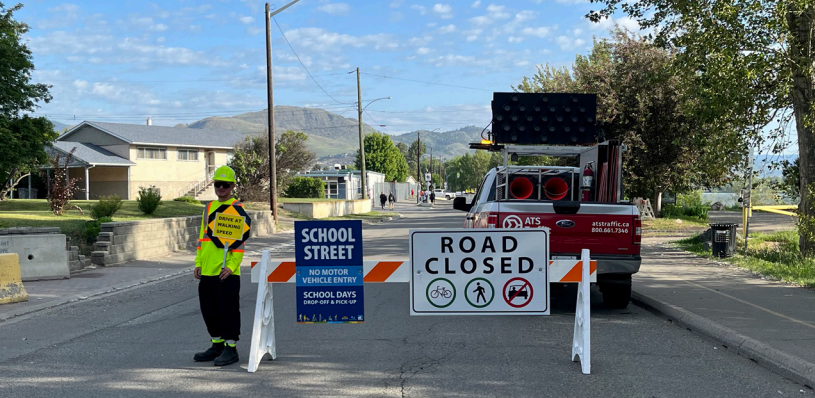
[(263, 334)]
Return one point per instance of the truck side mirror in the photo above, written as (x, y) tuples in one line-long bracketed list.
[(461, 204)]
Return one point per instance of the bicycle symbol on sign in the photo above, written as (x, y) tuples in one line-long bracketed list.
[(440, 291)]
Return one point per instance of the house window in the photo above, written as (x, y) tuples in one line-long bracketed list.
[(188, 154), (152, 153)]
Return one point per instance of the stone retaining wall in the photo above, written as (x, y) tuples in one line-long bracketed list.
[(120, 242), (329, 209)]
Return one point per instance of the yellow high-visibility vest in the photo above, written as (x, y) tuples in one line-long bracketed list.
[(209, 257)]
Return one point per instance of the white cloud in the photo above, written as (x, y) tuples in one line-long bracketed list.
[(158, 27), (397, 3), (472, 37), (422, 10), (607, 24), (419, 41), (541, 32), (445, 11), (335, 8), (321, 40), (481, 21), (423, 51), (567, 43), (476, 4), (525, 15), (515, 39), (447, 29), (246, 20), (497, 12)]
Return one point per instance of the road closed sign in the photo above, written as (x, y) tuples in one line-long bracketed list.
[(479, 272)]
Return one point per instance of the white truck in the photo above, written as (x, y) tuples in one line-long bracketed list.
[(440, 193)]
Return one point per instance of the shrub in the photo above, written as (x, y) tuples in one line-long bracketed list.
[(149, 199), (305, 187), (106, 207), (671, 211), (690, 199), (92, 229), (187, 199), (62, 188)]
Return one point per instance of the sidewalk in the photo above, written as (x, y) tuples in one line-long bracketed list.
[(95, 282), (771, 323)]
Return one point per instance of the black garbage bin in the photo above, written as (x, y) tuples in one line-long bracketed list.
[(723, 239)]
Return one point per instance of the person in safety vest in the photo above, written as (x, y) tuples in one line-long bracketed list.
[(219, 289)]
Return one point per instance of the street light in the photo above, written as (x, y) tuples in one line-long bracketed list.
[(270, 104), (364, 188)]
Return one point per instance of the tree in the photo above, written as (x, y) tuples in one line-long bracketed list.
[(413, 153), (383, 157), (24, 138), (403, 149), (753, 61), (251, 163), (471, 169), (646, 104)]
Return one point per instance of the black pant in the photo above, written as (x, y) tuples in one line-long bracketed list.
[(220, 306)]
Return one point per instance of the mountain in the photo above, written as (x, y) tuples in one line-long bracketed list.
[(447, 144), (60, 127), (329, 133)]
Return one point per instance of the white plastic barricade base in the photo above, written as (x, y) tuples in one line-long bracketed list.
[(581, 342), (263, 336)]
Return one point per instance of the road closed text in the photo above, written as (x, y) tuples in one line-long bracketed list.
[(503, 261)]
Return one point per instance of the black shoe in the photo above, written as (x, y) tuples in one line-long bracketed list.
[(213, 352), (228, 357)]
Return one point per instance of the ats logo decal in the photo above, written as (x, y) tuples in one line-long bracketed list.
[(565, 223)]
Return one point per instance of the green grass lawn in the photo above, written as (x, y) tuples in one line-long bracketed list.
[(306, 200), (774, 255), (679, 225), (36, 213)]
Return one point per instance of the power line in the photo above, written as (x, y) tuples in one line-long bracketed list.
[(175, 81), (302, 64), (434, 83)]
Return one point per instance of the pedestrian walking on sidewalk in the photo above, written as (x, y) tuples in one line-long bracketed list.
[(219, 288), (382, 199), (391, 200), (432, 199)]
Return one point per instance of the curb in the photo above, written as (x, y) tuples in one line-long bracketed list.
[(104, 292), (786, 365)]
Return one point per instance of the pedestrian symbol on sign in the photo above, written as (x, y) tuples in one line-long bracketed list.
[(479, 292)]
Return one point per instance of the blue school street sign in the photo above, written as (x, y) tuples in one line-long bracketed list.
[(328, 258)]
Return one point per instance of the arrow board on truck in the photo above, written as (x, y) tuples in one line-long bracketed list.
[(459, 272)]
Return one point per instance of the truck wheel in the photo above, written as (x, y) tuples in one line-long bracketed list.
[(616, 290)]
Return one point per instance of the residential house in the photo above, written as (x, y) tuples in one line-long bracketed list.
[(344, 184), (113, 158)]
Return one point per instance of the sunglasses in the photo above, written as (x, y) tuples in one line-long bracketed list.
[(222, 184)]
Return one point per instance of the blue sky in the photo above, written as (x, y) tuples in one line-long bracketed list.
[(179, 61)]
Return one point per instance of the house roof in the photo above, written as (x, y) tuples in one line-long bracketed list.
[(160, 135), (91, 155)]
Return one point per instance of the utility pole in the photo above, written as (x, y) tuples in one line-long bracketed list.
[(270, 101), (431, 168), (748, 203), (361, 141), (270, 105), (418, 164)]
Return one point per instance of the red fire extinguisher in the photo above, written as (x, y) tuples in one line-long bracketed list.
[(588, 178)]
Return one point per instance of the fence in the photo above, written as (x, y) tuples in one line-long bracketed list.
[(400, 190)]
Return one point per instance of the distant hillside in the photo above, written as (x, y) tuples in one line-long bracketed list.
[(60, 127), (448, 144), (329, 133)]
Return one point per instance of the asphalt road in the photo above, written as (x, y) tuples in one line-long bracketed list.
[(140, 342)]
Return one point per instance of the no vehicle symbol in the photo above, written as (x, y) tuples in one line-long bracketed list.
[(518, 292)]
